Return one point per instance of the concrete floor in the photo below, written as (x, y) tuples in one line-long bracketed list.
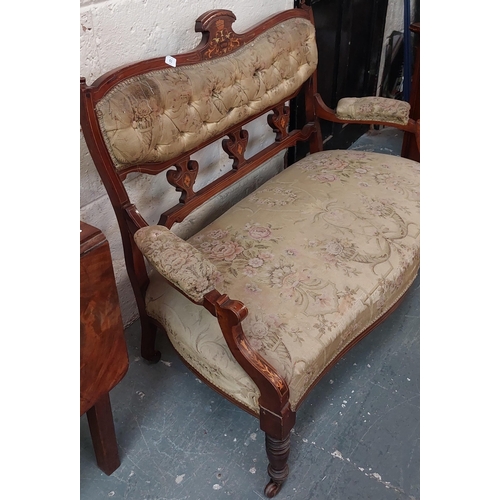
[(356, 437)]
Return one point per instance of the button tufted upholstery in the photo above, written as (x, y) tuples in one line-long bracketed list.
[(158, 115)]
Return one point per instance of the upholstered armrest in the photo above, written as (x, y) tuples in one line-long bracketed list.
[(177, 261), (373, 109)]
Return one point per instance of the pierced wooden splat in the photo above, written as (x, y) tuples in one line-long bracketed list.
[(183, 178), (279, 121), (218, 35), (236, 146)]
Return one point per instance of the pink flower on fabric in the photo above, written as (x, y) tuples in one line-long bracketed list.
[(226, 251), (334, 248), (217, 234), (266, 256), (255, 262), (339, 164), (259, 233), (274, 321), (324, 177), (217, 278), (279, 274), (206, 246), (258, 330), (249, 271)]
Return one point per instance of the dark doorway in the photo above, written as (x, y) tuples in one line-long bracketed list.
[(349, 36)]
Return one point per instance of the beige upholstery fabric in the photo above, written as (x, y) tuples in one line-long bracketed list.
[(178, 261), (373, 109), (317, 254), (159, 115)]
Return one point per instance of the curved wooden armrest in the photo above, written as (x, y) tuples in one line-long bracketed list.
[(190, 272), (274, 391), (177, 261), (195, 276)]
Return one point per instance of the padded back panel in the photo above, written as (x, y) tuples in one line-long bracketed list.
[(156, 116)]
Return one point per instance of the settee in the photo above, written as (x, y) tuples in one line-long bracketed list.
[(263, 301)]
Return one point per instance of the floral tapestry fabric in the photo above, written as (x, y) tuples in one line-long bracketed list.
[(317, 254), (375, 109), (178, 261)]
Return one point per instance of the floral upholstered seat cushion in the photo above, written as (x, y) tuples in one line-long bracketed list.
[(317, 254)]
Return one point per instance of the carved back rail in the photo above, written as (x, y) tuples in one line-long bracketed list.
[(218, 41), (140, 90)]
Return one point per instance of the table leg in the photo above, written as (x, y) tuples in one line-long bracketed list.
[(102, 430)]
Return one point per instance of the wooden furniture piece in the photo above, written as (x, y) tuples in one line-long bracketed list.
[(410, 149), (262, 302), (103, 352)]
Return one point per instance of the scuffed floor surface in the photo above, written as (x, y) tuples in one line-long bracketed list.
[(356, 436)]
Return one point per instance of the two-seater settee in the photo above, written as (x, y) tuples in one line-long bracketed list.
[(263, 301)]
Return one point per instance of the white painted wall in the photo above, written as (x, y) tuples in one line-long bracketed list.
[(117, 32)]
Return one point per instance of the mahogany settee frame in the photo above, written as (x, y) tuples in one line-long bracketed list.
[(218, 39)]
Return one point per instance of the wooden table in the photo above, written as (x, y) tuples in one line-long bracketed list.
[(103, 351)]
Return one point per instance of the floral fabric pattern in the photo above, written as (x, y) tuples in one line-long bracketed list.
[(373, 109), (317, 254), (178, 261)]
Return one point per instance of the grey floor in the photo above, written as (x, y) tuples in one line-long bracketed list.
[(356, 436)]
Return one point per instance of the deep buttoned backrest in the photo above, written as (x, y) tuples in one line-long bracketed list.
[(152, 115), (158, 115)]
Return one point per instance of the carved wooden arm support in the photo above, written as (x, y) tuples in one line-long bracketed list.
[(176, 260), (195, 276), (274, 398)]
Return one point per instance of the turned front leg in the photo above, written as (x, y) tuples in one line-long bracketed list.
[(277, 452)]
